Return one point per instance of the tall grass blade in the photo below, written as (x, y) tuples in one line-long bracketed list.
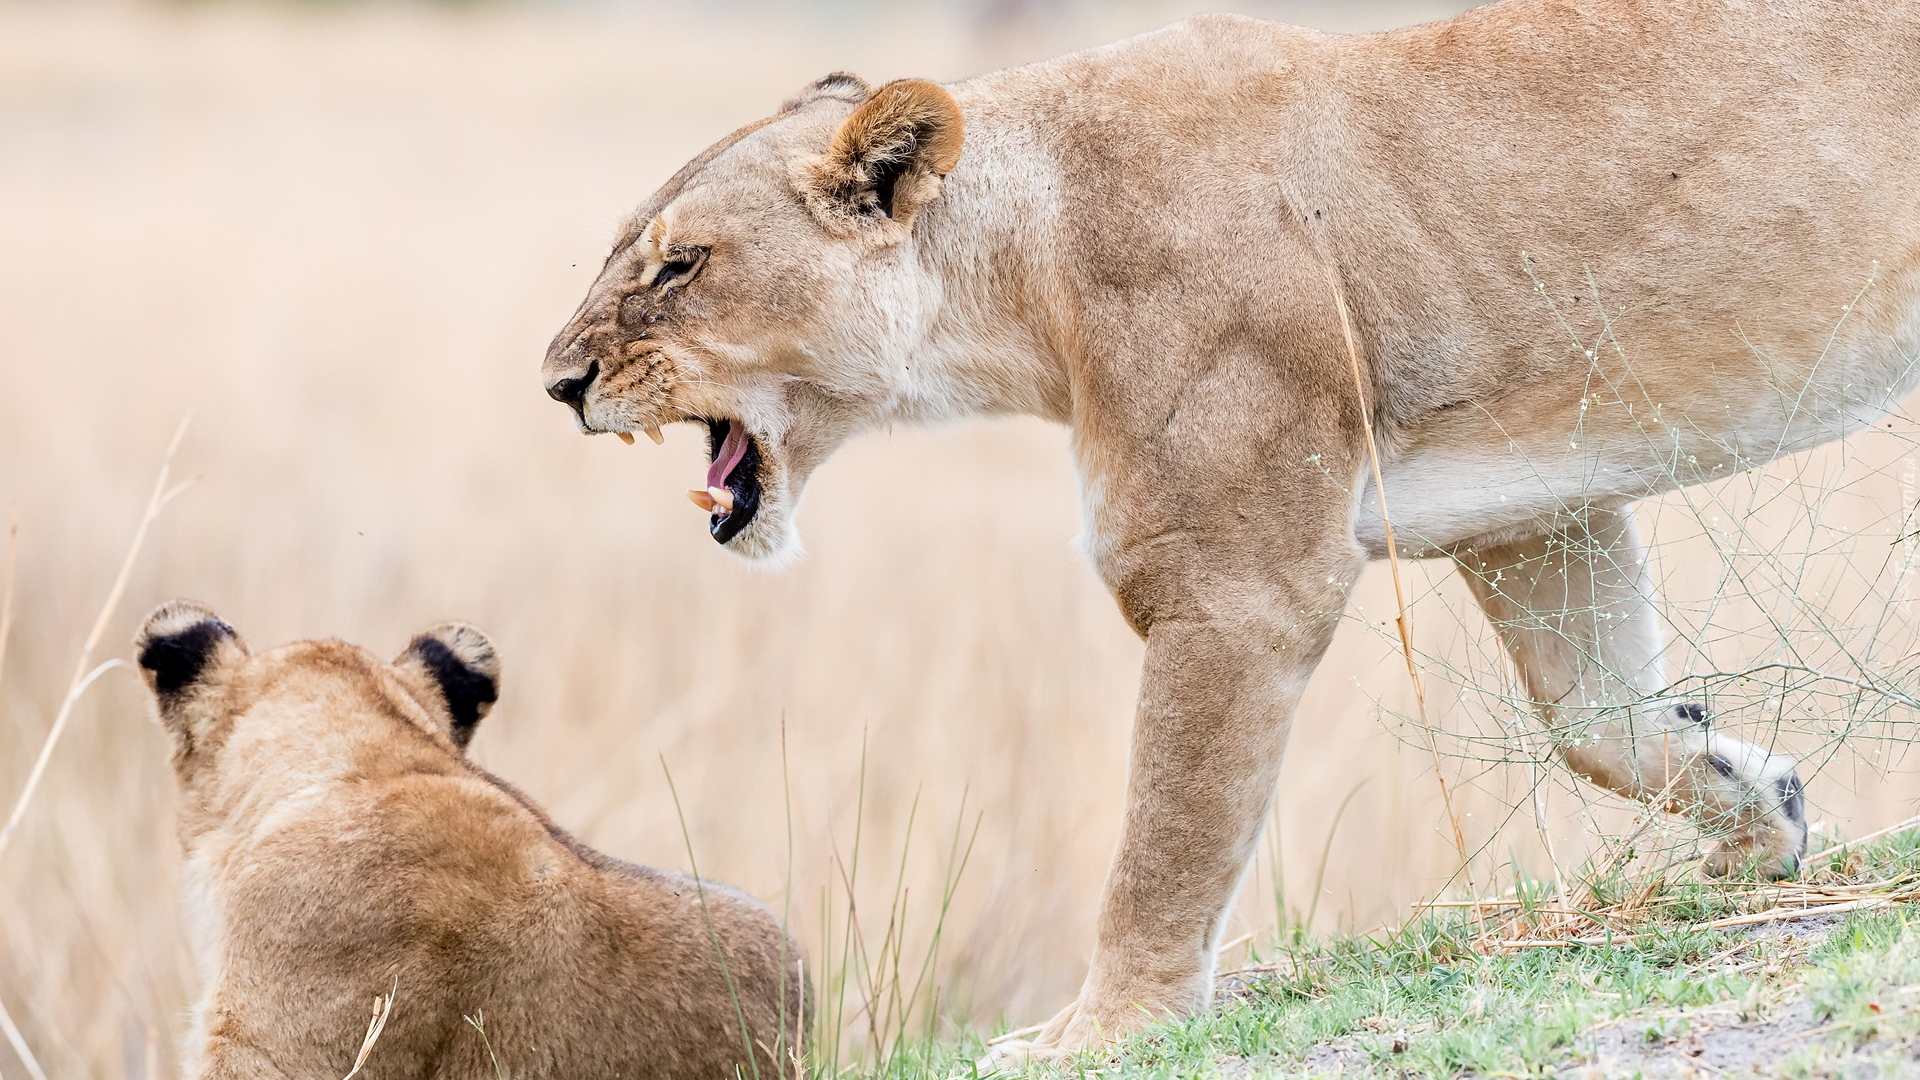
[(162, 494), (713, 932), (1403, 621)]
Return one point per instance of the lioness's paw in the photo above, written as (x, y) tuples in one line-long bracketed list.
[(1049, 1051), (1759, 821), (1774, 843), (1025, 1057)]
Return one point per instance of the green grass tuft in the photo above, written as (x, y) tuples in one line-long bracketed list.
[(1442, 997)]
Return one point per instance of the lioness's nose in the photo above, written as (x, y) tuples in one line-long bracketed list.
[(572, 390)]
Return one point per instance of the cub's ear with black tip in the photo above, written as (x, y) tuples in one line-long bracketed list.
[(841, 85), (460, 662), (887, 160), (180, 646)]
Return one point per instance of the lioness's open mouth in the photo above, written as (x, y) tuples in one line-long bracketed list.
[(732, 494)]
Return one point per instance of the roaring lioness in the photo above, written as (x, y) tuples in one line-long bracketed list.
[(340, 846), (1146, 242)]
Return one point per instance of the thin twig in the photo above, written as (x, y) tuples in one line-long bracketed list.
[(1326, 852), (713, 932), (6, 602), (1770, 915), (382, 1008), (82, 677), (1401, 622), (1546, 833), (6, 629), (1867, 685), (1017, 1033), (1785, 914), (19, 1045), (1645, 819), (797, 1052), (1260, 969), (1894, 828), (479, 1022)]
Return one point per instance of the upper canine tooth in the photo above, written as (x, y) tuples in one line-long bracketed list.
[(625, 437), (721, 498), (654, 434), (701, 499)]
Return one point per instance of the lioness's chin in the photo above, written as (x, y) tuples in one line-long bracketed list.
[(770, 541), (747, 494)]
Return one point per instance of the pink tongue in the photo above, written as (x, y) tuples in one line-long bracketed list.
[(731, 451)]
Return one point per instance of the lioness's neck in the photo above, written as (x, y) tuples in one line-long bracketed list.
[(985, 249)]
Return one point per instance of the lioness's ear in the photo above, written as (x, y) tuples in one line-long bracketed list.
[(182, 644), (461, 663), (887, 159), (841, 85)]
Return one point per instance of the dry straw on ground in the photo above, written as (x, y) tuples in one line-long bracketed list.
[(341, 236)]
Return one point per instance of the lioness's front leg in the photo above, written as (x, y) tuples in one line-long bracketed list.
[(1576, 612), (1233, 564), (1217, 700)]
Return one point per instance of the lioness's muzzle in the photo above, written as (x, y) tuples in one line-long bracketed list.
[(571, 390)]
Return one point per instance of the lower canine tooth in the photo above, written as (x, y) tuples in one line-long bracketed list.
[(701, 499), (721, 498), (654, 434), (625, 437)]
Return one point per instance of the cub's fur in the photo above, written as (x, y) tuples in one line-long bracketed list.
[(340, 846), (1592, 249)]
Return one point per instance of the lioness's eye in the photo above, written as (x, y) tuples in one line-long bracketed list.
[(680, 267)]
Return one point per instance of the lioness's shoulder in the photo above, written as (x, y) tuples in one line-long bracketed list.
[(1184, 58), (1229, 32)]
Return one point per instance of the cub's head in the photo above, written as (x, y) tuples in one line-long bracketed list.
[(311, 701), (769, 293)]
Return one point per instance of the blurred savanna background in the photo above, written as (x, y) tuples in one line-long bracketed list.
[(339, 236)]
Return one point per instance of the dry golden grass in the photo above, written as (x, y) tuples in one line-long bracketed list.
[(340, 238)]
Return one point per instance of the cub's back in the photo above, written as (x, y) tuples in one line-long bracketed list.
[(455, 888)]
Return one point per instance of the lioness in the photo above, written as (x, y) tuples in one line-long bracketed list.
[(1139, 241), (341, 846)]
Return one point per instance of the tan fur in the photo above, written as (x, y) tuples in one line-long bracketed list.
[(1594, 250), (339, 845), (908, 121)]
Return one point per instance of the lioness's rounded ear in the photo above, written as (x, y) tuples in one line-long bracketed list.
[(841, 85), (887, 159), (180, 644), (462, 665)]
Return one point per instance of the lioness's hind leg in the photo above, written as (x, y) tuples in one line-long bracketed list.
[(1575, 609)]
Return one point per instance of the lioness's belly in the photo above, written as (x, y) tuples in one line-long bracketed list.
[(1513, 465)]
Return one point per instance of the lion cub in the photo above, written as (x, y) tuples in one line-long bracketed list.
[(340, 846)]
